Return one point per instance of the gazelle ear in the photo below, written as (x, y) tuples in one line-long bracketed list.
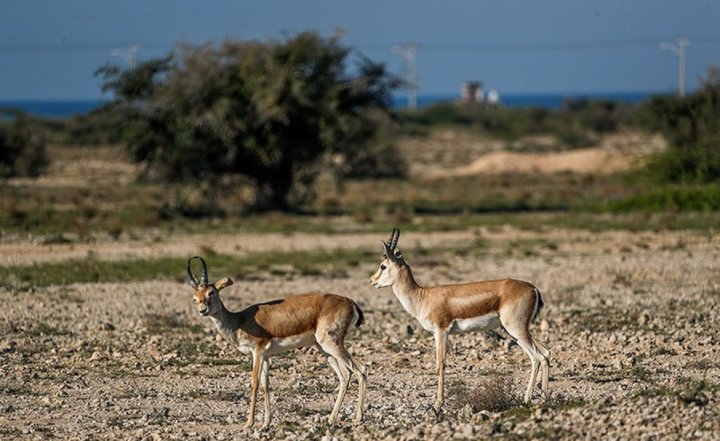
[(398, 254), (223, 283)]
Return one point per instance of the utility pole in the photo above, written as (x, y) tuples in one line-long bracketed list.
[(407, 51), (129, 54), (679, 49)]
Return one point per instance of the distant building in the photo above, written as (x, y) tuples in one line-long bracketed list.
[(472, 92)]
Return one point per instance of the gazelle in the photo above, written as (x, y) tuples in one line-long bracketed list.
[(277, 326), (455, 309)]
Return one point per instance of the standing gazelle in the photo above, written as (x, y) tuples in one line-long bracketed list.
[(277, 326), (455, 309)]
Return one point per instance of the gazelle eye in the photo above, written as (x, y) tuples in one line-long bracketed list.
[(383, 267), (195, 300)]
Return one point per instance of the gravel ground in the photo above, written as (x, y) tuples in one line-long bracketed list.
[(632, 320)]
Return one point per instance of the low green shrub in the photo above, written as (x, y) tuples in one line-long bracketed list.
[(22, 152), (670, 198)]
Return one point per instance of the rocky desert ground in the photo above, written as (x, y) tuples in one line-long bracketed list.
[(632, 320), (631, 317)]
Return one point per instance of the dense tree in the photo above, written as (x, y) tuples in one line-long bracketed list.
[(692, 127), (270, 111), (21, 152)]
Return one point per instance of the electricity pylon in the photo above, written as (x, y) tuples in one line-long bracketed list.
[(679, 49), (129, 54), (407, 51)]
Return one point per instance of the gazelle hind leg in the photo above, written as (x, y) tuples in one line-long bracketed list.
[(361, 374), (344, 379), (544, 357), (525, 341), (534, 363)]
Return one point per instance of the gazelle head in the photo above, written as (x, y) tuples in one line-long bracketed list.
[(391, 264), (207, 295)]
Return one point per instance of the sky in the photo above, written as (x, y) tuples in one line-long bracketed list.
[(49, 49)]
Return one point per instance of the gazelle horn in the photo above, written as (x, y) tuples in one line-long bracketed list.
[(190, 277), (394, 237), (204, 273)]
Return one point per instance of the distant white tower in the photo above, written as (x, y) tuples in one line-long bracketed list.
[(493, 98)]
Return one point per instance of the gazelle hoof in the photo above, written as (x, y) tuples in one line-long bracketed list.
[(437, 411)]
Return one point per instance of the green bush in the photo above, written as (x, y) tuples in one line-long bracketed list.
[(697, 163), (574, 124), (692, 127), (272, 111), (22, 153), (679, 198)]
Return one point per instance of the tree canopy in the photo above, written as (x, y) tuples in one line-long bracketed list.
[(270, 111)]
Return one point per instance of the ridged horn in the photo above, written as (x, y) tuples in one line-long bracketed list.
[(190, 277), (194, 282), (394, 237), (204, 273)]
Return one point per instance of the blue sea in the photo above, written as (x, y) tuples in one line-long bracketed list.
[(66, 108)]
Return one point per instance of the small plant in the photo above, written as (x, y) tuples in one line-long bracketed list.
[(694, 393), (494, 394)]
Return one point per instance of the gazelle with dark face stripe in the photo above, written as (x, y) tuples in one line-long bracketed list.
[(455, 309), (277, 326)]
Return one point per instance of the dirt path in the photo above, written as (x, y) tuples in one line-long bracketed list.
[(238, 244)]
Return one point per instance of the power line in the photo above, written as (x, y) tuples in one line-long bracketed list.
[(79, 47), (429, 46), (538, 47)]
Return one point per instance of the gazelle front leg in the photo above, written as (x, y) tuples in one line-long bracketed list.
[(265, 386), (440, 353), (257, 366)]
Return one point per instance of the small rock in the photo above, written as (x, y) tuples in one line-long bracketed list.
[(544, 325), (107, 326), (465, 431), (7, 346)]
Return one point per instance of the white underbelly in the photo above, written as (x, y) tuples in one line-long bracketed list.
[(278, 345), (245, 348), (479, 323)]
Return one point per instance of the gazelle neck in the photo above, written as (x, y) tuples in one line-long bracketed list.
[(224, 320), (407, 291)]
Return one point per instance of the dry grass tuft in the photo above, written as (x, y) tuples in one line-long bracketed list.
[(493, 394)]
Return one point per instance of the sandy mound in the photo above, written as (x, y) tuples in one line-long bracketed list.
[(456, 153), (583, 161)]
